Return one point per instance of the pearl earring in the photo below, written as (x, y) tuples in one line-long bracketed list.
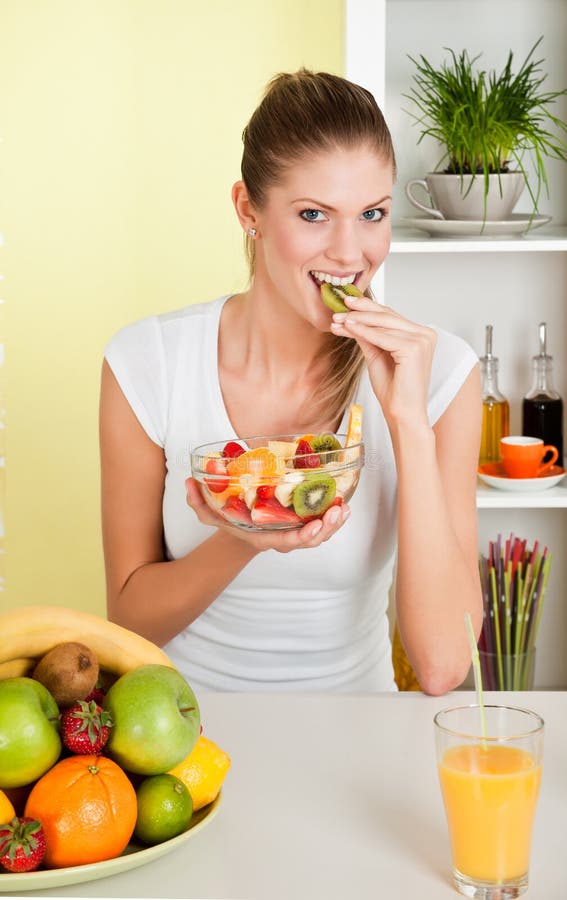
[(252, 232)]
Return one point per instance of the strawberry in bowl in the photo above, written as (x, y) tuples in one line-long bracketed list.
[(281, 481)]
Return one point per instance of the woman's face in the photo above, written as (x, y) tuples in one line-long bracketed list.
[(328, 218)]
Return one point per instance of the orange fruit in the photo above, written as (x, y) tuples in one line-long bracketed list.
[(203, 771), (7, 811), (260, 462), (87, 807)]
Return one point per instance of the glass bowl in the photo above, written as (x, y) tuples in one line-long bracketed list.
[(277, 482)]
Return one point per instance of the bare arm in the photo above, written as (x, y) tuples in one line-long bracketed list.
[(438, 578), (156, 597)]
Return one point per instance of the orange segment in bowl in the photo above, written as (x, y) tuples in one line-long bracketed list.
[(260, 462), (354, 431)]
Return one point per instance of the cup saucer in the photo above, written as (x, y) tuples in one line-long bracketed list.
[(517, 224), (494, 475)]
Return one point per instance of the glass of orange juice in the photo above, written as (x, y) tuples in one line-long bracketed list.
[(490, 784)]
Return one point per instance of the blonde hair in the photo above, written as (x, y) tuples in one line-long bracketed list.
[(301, 114)]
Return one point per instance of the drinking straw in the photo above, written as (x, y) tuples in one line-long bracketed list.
[(477, 675), (497, 630), (513, 580), (507, 631), (541, 593), (486, 630), (534, 568)]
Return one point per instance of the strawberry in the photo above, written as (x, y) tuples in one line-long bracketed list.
[(304, 456), (97, 694), (85, 727), (232, 450), (271, 512), (215, 466), (266, 491), (22, 844), (235, 509)]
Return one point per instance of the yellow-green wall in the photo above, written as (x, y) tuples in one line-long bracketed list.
[(120, 123)]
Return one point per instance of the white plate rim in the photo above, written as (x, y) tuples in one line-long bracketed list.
[(521, 484), (472, 227), (135, 855)]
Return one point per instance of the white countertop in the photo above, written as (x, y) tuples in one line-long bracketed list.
[(332, 797)]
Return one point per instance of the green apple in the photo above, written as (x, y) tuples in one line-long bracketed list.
[(29, 731), (156, 719)]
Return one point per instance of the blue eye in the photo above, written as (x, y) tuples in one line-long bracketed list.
[(373, 215), (312, 215)]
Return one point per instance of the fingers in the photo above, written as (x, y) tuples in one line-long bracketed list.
[(368, 312), (194, 495), (396, 341), (386, 330), (315, 533), (199, 505)]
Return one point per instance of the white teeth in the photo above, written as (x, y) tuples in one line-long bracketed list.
[(333, 279)]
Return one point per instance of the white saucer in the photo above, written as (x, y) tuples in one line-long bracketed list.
[(517, 224), (490, 474)]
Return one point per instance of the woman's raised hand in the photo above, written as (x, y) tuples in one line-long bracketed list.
[(311, 535), (398, 355)]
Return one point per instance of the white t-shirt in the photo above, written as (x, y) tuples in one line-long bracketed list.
[(313, 619)]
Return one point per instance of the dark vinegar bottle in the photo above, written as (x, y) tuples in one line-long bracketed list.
[(542, 407)]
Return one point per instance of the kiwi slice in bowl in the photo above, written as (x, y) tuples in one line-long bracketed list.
[(325, 443), (314, 495)]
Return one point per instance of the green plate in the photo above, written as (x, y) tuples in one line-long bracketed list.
[(135, 855)]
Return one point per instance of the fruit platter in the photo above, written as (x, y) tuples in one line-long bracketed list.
[(281, 481), (103, 762)]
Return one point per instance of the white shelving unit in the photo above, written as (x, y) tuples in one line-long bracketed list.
[(491, 498), (462, 284), (549, 239)]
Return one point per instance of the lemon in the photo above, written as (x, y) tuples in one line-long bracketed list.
[(164, 809), (203, 771), (7, 811)]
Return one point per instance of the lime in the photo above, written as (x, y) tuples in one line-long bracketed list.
[(164, 808)]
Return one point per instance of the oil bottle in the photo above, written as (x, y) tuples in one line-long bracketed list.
[(542, 407), (495, 407)]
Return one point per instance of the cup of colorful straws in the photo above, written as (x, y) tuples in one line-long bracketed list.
[(513, 580)]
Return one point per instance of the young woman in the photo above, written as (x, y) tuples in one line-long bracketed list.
[(304, 609)]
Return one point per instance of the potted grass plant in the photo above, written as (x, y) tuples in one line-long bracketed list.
[(489, 124)]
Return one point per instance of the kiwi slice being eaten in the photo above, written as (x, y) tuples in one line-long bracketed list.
[(314, 495), (333, 295), (324, 443)]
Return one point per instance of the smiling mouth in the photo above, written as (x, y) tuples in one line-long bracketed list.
[(337, 280)]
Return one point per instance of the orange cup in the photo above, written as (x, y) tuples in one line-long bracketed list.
[(522, 456)]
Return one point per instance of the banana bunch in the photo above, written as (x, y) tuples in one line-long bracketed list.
[(29, 633)]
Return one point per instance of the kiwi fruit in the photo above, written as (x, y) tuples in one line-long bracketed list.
[(333, 295), (314, 495), (69, 671), (325, 443)]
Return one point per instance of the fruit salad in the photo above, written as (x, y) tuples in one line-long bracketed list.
[(283, 481)]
